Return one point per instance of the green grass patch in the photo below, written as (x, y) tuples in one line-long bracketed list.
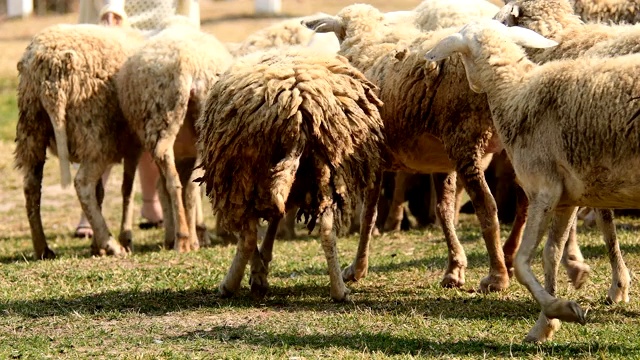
[(8, 108)]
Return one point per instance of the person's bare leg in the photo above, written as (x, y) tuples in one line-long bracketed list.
[(149, 174)]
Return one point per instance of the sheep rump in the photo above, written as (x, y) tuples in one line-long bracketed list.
[(315, 131)]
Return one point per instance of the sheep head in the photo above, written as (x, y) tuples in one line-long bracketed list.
[(355, 20), (469, 42), (326, 24)]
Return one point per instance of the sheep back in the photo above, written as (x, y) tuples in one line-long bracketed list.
[(286, 129)]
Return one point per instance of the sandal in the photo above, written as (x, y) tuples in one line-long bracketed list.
[(83, 231), (150, 225)]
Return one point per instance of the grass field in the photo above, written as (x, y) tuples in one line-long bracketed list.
[(159, 304)]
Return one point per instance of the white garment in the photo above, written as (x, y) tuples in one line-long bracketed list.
[(145, 15)]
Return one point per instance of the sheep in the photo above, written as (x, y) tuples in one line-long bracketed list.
[(440, 14), (550, 118), (616, 11), (67, 101), (161, 89), (282, 129), (555, 19), (450, 133)]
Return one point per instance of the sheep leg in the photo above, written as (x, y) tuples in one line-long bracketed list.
[(339, 291), (358, 269), (540, 207), (164, 157), (396, 209), (126, 225), (32, 183), (167, 213), (88, 176), (445, 186), (286, 227), (261, 259), (572, 260), (201, 228), (513, 242), (487, 213), (561, 226), (247, 245), (191, 192), (619, 290)]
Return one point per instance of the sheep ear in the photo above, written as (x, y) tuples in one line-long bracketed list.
[(509, 15), (529, 38), (324, 24), (446, 47)]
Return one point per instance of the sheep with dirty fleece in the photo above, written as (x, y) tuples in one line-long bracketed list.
[(67, 100), (552, 120), (433, 123), (440, 14), (608, 11), (162, 88), (556, 20), (282, 129)]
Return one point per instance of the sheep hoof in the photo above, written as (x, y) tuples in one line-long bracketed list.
[(564, 310), (126, 240), (223, 292), (617, 294), (113, 248), (183, 243), (350, 274), (543, 330), (453, 279), (341, 296), (578, 273), (494, 283), (259, 285), (47, 254)]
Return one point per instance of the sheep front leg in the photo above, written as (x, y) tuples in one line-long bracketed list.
[(561, 226), (247, 245), (573, 261), (620, 282), (191, 193), (261, 259), (167, 213), (445, 187), (540, 207), (85, 182), (32, 186), (513, 242), (126, 225), (487, 213), (339, 291), (360, 266), (164, 157)]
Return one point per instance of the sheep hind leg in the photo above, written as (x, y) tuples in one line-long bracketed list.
[(164, 157), (86, 181), (445, 187), (513, 241), (620, 282), (261, 259), (338, 292), (487, 214), (191, 193), (126, 225), (247, 246), (33, 192), (561, 226), (573, 261), (396, 209), (167, 213), (360, 266)]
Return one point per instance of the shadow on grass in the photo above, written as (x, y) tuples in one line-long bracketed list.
[(389, 344), (291, 298)]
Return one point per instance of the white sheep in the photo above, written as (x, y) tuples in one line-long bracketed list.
[(67, 101), (162, 88), (440, 14), (433, 124), (608, 11), (570, 129), (555, 19)]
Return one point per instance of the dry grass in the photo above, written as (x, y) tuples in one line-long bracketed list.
[(159, 304)]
